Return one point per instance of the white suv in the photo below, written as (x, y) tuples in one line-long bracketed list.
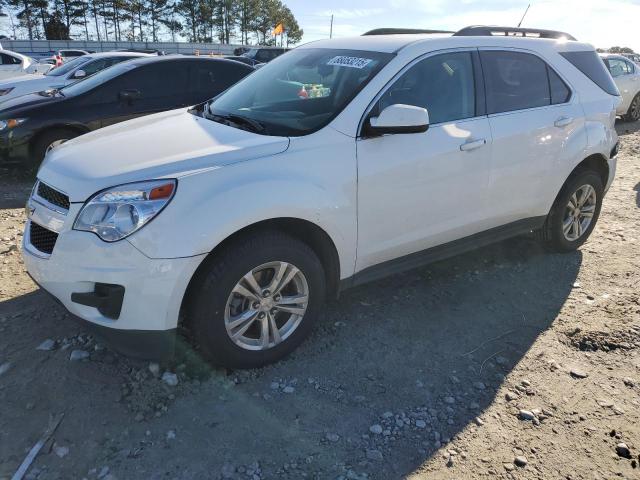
[(339, 162)]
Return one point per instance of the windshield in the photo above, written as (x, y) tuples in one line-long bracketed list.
[(68, 66), (299, 92), (96, 79)]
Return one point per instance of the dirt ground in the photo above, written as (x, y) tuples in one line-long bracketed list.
[(506, 362)]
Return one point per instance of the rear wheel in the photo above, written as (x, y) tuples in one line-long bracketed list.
[(48, 141), (257, 300), (633, 114), (574, 213)]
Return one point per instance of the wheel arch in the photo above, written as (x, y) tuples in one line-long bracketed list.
[(596, 162), (305, 231), (79, 129)]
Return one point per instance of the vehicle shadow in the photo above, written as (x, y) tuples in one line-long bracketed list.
[(432, 345), (15, 188)]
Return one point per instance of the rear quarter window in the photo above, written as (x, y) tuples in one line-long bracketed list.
[(590, 64)]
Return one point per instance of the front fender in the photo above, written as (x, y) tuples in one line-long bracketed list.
[(316, 183)]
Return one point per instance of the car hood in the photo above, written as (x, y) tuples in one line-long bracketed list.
[(32, 79), (165, 145)]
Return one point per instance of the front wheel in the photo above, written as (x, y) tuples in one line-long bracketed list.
[(574, 213), (257, 300)]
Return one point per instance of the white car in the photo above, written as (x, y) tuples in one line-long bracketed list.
[(69, 73), (626, 76), (15, 64), (340, 162)]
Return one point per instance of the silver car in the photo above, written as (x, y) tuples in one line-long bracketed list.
[(70, 72), (626, 76)]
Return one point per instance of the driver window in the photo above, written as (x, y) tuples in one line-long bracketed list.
[(443, 84)]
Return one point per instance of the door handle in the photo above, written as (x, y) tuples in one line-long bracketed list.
[(472, 145), (563, 122)]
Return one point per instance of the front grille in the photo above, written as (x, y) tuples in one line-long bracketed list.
[(53, 196), (42, 239)]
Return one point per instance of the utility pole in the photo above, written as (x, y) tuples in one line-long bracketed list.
[(331, 28), (525, 14)]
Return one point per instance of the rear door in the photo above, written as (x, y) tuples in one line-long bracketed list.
[(537, 127), (151, 88), (208, 78)]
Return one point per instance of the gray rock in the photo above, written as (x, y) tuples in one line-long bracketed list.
[(288, 389), (520, 461), (623, 451), (577, 373), (228, 470), (375, 455), (171, 435), (377, 429), (104, 471), (274, 386), (47, 345), (450, 400), (511, 396), (332, 437), (78, 355), (154, 368), (421, 424), (4, 368), (526, 415), (170, 379), (479, 385), (60, 451)]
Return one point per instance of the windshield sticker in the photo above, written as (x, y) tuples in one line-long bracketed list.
[(351, 62)]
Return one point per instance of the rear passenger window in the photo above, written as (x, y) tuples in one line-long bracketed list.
[(443, 84), (560, 93), (589, 63), (514, 81)]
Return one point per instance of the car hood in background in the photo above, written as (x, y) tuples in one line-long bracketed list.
[(168, 144), (27, 101)]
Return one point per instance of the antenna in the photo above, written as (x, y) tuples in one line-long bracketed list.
[(525, 14), (331, 28)]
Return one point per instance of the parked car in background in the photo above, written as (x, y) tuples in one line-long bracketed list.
[(341, 162), (634, 57), (69, 73), (264, 54), (15, 64), (33, 124), (626, 76), (243, 59), (69, 54)]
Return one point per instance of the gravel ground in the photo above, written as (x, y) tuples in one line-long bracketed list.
[(506, 362)]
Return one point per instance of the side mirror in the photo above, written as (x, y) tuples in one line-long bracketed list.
[(80, 74), (400, 118), (129, 96)]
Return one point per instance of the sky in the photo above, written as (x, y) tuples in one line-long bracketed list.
[(603, 23)]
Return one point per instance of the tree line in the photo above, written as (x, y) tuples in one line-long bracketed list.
[(207, 21)]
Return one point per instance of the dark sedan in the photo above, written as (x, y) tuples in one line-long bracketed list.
[(33, 124)]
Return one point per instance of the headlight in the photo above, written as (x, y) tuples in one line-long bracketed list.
[(11, 123), (4, 91), (117, 212)]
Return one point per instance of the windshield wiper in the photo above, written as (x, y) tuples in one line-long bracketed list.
[(239, 120)]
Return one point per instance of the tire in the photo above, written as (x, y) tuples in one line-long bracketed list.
[(552, 234), (213, 305), (45, 141), (633, 114)]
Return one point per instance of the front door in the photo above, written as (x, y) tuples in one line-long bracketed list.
[(420, 190)]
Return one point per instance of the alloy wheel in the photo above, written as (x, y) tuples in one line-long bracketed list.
[(579, 212), (634, 110), (266, 306)]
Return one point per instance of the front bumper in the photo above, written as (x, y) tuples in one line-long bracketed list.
[(80, 263)]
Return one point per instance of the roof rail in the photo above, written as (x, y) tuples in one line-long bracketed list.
[(401, 31), (487, 31)]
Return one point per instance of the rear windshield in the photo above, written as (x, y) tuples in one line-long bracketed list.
[(590, 63)]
